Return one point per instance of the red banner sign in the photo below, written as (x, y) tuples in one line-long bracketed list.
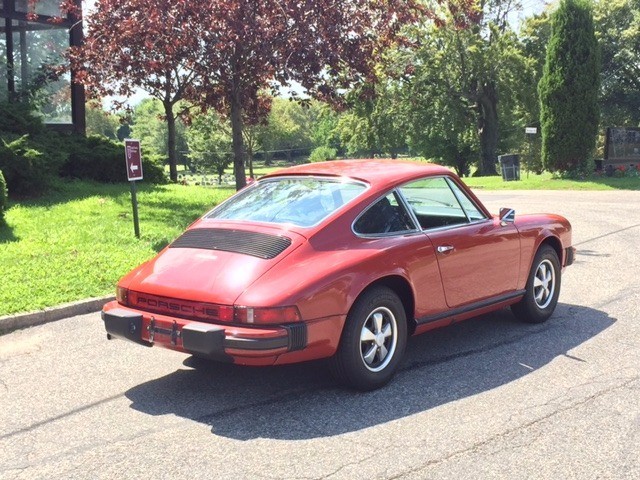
[(134, 159)]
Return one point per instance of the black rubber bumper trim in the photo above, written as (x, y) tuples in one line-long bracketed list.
[(120, 323), (469, 308), (256, 343), (297, 334), (570, 255), (202, 339)]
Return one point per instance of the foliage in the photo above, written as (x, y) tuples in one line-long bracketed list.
[(100, 122), (209, 145), (50, 254), (463, 89), (227, 53), (289, 127), (148, 125), (26, 169), (97, 158), (569, 89), (376, 124), (617, 24), (322, 154), (153, 45), (3, 198), (20, 118), (324, 131)]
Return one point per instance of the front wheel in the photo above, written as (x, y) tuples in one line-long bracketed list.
[(543, 288), (372, 342)]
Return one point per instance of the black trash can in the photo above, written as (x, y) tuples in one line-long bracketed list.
[(510, 166)]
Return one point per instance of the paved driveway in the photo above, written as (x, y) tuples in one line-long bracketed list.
[(488, 398)]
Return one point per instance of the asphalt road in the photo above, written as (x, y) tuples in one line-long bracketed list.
[(487, 398)]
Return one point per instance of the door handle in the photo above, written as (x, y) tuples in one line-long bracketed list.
[(445, 248)]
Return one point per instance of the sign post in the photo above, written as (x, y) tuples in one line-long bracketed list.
[(530, 132), (134, 173)]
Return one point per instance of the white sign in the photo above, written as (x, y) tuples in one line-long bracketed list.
[(531, 130)]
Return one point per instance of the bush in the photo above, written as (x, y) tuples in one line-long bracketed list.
[(97, 158), (20, 118), (3, 197), (569, 89), (25, 169), (322, 154)]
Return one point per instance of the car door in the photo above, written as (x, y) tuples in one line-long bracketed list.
[(478, 256)]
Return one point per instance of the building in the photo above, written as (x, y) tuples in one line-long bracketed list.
[(31, 44)]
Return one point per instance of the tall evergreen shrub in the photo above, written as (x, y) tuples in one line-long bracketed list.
[(569, 88)]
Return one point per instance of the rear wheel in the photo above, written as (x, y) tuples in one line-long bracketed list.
[(373, 341), (543, 288)]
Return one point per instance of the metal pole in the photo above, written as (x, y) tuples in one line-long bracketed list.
[(134, 203)]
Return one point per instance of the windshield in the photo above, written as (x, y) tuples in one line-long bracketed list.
[(299, 201)]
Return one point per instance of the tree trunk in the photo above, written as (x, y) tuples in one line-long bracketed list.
[(171, 143), (237, 142), (487, 104)]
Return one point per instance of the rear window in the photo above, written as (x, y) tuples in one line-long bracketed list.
[(299, 201)]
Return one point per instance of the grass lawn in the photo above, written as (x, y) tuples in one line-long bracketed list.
[(547, 182), (77, 242)]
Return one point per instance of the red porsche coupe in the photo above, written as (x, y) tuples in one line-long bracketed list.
[(340, 260)]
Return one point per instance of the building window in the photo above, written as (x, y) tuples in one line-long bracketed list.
[(30, 50)]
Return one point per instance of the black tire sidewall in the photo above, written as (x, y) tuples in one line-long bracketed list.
[(354, 372), (530, 309)]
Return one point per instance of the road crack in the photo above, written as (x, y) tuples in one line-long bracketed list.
[(510, 431)]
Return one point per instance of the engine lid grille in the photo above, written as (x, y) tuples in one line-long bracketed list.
[(259, 245)]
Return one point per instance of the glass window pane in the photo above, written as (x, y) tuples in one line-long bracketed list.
[(387, 215), (433, 203), (467, 204), (298, 201), (43, 7), (37, 49)]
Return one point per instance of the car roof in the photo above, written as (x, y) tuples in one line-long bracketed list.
[(377, 173)]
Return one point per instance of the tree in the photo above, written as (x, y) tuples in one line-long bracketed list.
[(289, 127), (376, 124), (462, 86), (617, 24), (149, 126), (101, 122), (153, 45), (569, 89), (327, 46), (209, 144)]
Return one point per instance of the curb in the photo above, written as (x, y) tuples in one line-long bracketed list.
[(10, 323)]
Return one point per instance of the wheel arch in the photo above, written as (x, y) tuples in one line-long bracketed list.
[(555, 243), (401, 287)]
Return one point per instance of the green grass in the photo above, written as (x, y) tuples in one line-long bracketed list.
[(77, 242), (547, 182)]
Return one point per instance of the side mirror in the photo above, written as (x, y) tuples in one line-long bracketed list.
[(507, 215)]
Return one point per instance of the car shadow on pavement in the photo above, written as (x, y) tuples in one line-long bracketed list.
[(302, 401)]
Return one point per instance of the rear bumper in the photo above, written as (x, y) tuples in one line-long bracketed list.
[(231, 343)]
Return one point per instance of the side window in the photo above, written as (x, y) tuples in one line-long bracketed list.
[(434, 203), (469, 207), (387, 215)]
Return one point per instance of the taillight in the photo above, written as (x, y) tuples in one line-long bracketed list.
[(122, 295), (267, 315)]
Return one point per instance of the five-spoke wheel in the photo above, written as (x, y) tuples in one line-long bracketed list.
[(543, 288), (378, 339), (373, 340)]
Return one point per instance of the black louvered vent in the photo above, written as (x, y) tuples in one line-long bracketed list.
[(255, 244)]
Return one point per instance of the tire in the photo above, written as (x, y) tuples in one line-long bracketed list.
[(543, 288), (373, 341)]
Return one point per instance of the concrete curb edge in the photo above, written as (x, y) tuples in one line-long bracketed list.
[(10, 323)]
